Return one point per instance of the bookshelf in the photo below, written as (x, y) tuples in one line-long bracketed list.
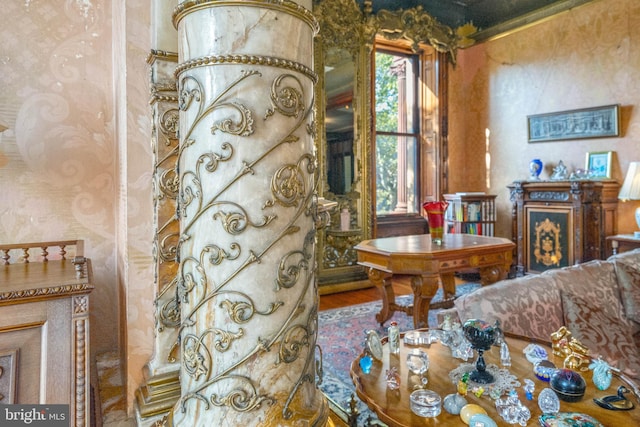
[(470, 213)]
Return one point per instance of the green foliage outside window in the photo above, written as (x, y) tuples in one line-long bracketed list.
[(386, 103)]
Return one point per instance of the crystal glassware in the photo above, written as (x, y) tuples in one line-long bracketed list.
[(481, 335), (417, 361), (426, 403)]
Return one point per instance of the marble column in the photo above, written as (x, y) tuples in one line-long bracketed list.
[(247, 211), (161, 387)]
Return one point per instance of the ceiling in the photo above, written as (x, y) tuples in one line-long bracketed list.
[(490, 17)]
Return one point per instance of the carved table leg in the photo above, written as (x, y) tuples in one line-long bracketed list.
[(424, 289), (382, 281), (448, 287), (492, 274)]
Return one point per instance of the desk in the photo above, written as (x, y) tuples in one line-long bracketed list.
[(393, 408), (429, 264)]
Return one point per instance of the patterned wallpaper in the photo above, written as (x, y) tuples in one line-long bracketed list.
[(75, 162), (57, 159), (586, 57)]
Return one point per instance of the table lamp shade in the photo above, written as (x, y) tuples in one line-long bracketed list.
[(631, 189)]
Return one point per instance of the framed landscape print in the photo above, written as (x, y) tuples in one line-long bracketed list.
[(596, 122), (548, 236)]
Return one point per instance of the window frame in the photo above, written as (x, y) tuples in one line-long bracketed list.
[(429, 149)]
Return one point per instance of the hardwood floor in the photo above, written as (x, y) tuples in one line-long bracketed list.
[(347, 298)]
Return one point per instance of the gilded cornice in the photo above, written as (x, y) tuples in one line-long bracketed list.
[(344, 25)]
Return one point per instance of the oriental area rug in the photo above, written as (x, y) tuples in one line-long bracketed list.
[(341, 336)]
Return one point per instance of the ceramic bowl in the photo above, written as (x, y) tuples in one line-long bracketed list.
[(568, 385)]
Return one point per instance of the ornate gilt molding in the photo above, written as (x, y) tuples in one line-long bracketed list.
[(41, 293), (344, 25), (248, 60)]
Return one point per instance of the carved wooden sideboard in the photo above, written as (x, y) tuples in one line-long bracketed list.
[(561, 223), (44, 327)]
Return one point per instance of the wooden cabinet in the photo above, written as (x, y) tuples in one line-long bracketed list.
[(44, 330), (561, 223), (470, 213)]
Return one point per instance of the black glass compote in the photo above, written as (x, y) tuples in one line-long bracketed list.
[(481, 335)]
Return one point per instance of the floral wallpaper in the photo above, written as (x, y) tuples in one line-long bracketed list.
[(586, 57)]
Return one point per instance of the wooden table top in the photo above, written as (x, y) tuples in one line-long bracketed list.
[(417, 254), (421, 245), (392, 407), (22, 282)]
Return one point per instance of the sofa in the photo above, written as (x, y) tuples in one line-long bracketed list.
[(597, 301)]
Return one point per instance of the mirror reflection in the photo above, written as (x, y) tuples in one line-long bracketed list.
[(347, 151), (339, 77)]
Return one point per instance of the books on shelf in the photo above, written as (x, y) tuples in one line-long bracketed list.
[(470, 213)]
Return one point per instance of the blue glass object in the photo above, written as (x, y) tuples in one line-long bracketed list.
[(365, 364)]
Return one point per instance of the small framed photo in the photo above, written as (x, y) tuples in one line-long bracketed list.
[(599, 164)]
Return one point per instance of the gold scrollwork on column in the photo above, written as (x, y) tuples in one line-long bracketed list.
[(291, 187)]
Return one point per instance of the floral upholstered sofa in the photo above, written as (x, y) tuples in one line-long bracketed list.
[(598, 301)]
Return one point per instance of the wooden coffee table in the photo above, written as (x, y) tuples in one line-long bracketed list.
[(429, 264), (392, 407)]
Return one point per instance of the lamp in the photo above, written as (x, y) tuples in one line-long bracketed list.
[(631, 190)]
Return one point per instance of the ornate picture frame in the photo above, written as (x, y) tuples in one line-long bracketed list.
[(598, 163), (595, 122), (548, 233)]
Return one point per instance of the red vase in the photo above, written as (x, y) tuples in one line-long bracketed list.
[(435, 216)]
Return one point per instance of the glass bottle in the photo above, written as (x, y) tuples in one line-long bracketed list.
[(394, 338)]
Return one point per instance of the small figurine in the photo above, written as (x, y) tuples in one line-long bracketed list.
[(529, 387), (393, 378), (617, 402), (560, 341), (559, 172), (512, 410), (578, 356), (446, 324), (601, 374), (505, 356)]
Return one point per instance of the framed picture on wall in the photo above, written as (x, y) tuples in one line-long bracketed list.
[(548, 236), (595, 122), (599, 164)]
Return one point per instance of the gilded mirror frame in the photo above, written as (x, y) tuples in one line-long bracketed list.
[(345, 25)]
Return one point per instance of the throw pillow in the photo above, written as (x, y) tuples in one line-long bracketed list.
[(604, 335), (629, 281)]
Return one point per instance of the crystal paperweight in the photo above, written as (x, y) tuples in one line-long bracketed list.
[(425, 403), (548, 401)]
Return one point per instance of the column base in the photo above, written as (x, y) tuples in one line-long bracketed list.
[(156, 397)]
